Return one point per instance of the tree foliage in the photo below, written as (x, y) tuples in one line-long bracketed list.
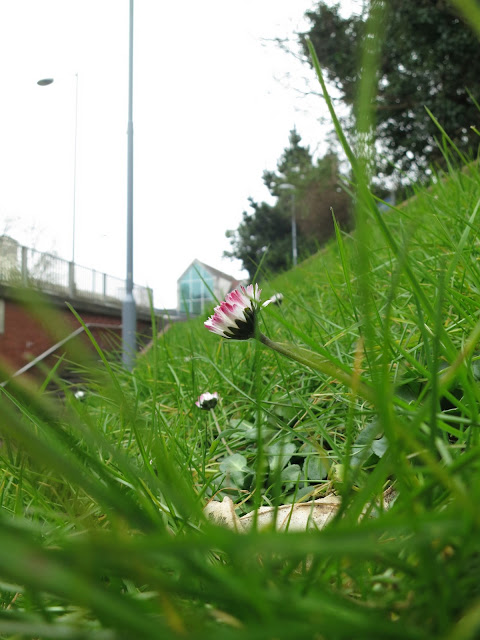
[(429, 59), (305, 189), (263, 237)]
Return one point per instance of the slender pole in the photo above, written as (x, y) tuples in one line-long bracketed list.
[(75, 169), (294, 232), (129, 320), (291, 188)]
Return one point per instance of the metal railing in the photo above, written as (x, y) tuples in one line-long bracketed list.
[(27, 267)]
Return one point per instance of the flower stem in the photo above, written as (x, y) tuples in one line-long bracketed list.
[(220, 432), (319, 363)]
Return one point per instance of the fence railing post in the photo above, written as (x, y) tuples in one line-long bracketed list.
[(71, 278), (24, 266)]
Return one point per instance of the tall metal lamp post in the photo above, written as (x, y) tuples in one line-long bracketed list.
[(129, 315), (45, 82)]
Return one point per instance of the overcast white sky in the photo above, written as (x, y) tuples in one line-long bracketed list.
[(213, 106)]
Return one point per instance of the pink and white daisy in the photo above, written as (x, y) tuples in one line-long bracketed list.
[(235, 317), (207, 400)]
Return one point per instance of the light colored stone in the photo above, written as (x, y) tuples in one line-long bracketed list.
[(292, 517), (223, 514), (299, 516)]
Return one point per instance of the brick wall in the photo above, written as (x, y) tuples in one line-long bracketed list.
[(27, 335)]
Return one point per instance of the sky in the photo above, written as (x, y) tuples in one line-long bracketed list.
[(214, 100)]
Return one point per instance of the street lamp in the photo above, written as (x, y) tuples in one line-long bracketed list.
[(129, 315), (289, 187), (44, 82)]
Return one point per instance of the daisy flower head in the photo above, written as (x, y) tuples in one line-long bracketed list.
[(207, 400), (277, 299), (235, 317)]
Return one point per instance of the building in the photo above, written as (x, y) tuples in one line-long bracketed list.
[(201, 286), (9, 257)]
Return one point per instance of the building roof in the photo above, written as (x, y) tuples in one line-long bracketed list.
[(4, 239), (215, 272)]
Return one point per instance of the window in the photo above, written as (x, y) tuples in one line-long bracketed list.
[(194, 292)]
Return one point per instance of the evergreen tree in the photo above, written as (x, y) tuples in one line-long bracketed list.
[(306, 192)]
